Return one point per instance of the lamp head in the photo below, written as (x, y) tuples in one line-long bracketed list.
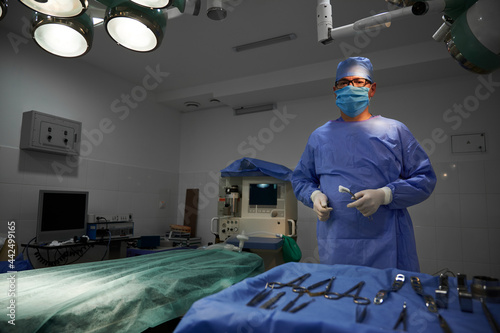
[(59, 8), (63, 37), (135, 27), (473, 39), (3, 9)]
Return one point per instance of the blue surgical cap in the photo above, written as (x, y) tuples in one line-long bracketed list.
[(355, 66)]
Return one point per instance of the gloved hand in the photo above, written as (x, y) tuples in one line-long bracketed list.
[(370, 200), (320, 205)]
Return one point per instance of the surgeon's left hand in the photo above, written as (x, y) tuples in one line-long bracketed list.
[(370, 200)]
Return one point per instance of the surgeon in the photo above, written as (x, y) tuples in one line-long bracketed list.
[(380, 162)]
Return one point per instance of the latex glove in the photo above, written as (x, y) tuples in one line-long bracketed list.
[(320, 205), (370, 200)]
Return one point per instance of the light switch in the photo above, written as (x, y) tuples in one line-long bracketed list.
[(468, 143)]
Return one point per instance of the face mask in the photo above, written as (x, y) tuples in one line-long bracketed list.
[(352, 100)]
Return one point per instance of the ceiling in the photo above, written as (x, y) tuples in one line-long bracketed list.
[(197, 53)]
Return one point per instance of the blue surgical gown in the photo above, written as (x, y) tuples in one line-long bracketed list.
[(363, 155)]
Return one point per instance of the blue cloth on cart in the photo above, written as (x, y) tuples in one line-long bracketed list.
[(252, 167), (227, 311)]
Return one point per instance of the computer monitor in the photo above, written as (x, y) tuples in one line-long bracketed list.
[(61, 215)]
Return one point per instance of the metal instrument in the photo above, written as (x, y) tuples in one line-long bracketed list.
[(360, 313), (292, 302), (269, 305), (396, 285), (444, 324), (307, 290), (293, 284), (356, 298), (259, 297), (401, 318), (301, 306), (442, 292), (429, 303), (429, 300), (491, 320), (464, 296)]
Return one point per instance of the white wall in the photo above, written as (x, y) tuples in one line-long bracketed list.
[(128, 166), (458, 227)]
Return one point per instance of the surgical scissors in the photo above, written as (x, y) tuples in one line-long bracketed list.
[(357, 299), (294, 283)]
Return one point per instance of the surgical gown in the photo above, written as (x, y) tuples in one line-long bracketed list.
[(361, 155)]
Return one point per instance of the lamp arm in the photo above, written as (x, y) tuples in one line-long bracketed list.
[(326, 32)]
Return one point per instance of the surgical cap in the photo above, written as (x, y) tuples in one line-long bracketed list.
[(355, 66)]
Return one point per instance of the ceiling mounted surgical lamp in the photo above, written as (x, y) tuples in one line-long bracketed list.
[(59, 8), (63, 37), (473, 37), (157, 4), (3, 8), (135, 27), (470, 31)]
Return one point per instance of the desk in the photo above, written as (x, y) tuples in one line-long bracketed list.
[(227, 311)]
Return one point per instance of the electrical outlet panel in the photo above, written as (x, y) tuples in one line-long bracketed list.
[(110, 218), (468, 143), (51, 134)]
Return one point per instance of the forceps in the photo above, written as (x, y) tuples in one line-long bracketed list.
[(294, 283), (307, 290), (356, 297)]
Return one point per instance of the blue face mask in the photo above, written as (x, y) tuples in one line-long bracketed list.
[(352, 100)]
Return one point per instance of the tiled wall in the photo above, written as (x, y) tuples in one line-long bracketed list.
[(113, 189), (459, 226)]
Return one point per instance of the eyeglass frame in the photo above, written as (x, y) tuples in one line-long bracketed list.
[(349, 82)]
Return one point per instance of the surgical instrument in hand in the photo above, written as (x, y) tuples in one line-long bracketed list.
[(396, 285), (269, 304), (401, 318), (343, 189), (357, 299), (294, 283)]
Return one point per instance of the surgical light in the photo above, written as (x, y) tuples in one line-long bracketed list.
[(135, 27), (474, 37), (60, 8), (470, 31), (152, 3), (68, 38), (3, 9)]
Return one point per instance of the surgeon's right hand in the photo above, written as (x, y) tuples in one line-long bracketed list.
[(320, 205)]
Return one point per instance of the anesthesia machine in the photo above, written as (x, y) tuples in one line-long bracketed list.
[(256, 199)]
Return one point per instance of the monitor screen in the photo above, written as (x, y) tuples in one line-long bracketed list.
[(263, 194), (61, 215)]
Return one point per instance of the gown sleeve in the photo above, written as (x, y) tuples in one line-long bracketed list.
[(417, 179), (304, 179)]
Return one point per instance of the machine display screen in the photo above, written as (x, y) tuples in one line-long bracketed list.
[(61, 215), (263, 194)]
